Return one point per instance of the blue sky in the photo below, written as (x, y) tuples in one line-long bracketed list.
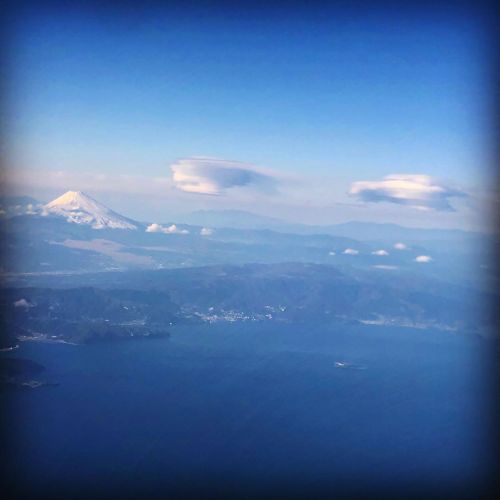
[(317, 99)]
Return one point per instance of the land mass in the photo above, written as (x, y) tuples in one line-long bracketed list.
[(18, 373)]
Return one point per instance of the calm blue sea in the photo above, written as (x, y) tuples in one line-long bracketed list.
[(241, 405)]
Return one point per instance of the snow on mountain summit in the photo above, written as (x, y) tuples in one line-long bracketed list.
[(79, 208)]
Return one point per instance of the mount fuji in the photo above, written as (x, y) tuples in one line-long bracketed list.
[(79, 208)]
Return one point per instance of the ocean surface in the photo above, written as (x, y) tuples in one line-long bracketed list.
[(240, 407)]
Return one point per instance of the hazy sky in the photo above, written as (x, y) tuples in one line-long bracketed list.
[(298, 113)]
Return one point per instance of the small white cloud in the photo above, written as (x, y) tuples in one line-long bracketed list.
[(154, 228), (423, 259), (27, 209), (350, 251), (22, 303), (173, 229), (331, 253), (400, 246), (31, 209), (416, 190), (382, 266), (380, 252), (206, 231)]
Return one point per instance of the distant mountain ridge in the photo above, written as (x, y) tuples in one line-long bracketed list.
[(76, 234), (79, 208), (233, 218), (364, 231)]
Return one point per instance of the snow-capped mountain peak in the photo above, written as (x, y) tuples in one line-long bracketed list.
[(79, 208)]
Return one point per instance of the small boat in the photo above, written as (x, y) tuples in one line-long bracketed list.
[(345, 364), (341, 364)]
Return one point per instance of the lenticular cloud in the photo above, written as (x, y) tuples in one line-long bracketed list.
[(417, 191), (212, 176)]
